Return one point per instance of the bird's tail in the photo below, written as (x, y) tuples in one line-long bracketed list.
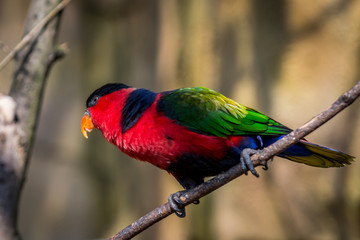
[(312, 154), (316, 155)]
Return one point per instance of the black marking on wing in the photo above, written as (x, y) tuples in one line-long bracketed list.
[(138, 101)]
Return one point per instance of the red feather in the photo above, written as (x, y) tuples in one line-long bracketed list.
[(154, 138)]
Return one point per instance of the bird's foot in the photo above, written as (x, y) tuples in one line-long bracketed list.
[(246, 163), (176, 203)]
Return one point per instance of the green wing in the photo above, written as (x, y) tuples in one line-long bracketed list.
[(208, 112)]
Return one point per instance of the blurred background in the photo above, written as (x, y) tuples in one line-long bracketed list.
[(288, 59)]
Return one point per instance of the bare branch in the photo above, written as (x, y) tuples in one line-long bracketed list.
[(33, 33), (258, 159)]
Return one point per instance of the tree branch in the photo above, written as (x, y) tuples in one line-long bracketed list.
[(36, 54), (258, 159), (32, 34)]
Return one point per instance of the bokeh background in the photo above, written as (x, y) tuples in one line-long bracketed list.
[(289, 59)]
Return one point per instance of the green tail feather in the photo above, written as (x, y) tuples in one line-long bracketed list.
[(322, 156)]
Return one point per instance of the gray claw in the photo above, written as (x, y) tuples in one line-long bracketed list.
[(245, 161), (176, 204), (266, 167)]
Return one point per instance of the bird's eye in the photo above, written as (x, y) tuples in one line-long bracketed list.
[(94, 101)]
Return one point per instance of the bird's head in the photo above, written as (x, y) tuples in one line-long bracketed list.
[(102, 106)]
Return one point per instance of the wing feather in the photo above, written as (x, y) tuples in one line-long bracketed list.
[(208, 112)]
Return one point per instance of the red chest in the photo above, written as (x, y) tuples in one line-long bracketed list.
[(160, 141)]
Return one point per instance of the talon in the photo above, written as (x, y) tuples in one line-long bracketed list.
[(266, 167), (176, 204), (243, 165), (180, 213), (246, 163), (196, 202)]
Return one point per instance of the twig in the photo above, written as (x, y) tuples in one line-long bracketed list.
[(33, 33), (258, 159)]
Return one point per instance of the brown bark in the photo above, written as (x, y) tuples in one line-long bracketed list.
[(18, 123)]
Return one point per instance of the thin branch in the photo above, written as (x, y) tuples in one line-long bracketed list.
[(258, 159), (33, 33)]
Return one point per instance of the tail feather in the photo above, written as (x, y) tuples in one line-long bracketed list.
[(316, 155)]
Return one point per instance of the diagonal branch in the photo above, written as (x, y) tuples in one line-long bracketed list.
[(33, 33), (258, 159)]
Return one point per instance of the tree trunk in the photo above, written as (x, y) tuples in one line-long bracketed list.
[(19, 112)]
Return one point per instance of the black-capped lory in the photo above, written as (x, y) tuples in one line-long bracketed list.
[(192, 132)]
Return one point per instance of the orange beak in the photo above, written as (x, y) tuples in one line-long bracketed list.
[(86, 124)]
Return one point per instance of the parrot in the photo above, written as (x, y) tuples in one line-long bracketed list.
[(192, 132)]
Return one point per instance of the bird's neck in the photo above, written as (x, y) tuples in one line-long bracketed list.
[(108, 120)]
